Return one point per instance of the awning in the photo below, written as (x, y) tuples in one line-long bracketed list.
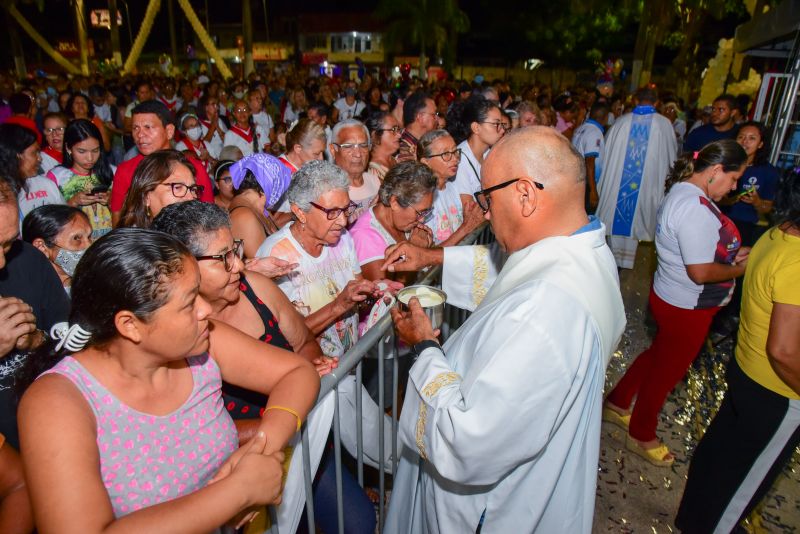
[(772, 33)]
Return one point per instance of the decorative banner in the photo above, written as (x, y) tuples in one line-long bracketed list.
[(141, 37)]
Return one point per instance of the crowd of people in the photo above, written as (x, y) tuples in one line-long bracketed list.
[(184, 258)]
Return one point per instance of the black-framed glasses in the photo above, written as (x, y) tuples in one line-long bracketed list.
[(227, 257), (499, 125), (447, 156), (334, 213), (484, 200), (423, 215), (226, 179), (350, 147), (393, 129), (179, 189)]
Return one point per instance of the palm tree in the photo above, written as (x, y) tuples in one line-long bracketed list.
[(424, 23)]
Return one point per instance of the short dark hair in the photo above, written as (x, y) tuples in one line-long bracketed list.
[(156, 108), (413, 105), (20, 103), (600, 106), (647, 94), (321, 109), (729, 99)]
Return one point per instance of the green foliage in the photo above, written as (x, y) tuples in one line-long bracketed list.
[(423, 24)]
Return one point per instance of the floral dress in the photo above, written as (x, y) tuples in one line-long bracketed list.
[(71, 182)]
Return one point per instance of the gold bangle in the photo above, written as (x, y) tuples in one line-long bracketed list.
[(289, 410)]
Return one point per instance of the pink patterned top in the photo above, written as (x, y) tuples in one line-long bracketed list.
[(149, 459)]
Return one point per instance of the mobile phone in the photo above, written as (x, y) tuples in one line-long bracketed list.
[(99, 189), (746, 191)]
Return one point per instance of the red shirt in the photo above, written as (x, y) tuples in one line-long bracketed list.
[(124, 176)]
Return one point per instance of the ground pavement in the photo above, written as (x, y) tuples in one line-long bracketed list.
[(636, 497)]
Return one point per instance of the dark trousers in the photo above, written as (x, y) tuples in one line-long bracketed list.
[(741, 454)]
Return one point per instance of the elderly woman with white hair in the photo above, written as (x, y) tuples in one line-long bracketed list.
[(404, 205), (327, 287)]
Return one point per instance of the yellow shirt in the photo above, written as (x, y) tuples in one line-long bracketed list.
[(772, 275)]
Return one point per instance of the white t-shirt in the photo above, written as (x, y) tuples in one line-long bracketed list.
[(468, 176), (241, 141), (347, 111), (263, 119), (691, 230), (317, 281), (38, 191), (364, 196), (589, 141), (48, 162), (448, 213), (290, 115)]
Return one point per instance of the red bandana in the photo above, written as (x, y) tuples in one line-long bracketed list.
[(247, 135)]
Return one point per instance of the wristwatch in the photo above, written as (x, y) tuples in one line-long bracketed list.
[(425, 344)]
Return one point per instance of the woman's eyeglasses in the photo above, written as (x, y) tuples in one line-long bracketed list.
[(227, 257), (499, 125), (179, 190), (335, 213), (423, 215), (484, 200), (447, 156)]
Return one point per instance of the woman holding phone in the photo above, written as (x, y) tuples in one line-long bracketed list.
[(86, 175)]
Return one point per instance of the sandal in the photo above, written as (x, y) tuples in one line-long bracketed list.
[(659, 456), (616, 418)]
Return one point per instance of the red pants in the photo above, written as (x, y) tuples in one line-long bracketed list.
[(656, 371)]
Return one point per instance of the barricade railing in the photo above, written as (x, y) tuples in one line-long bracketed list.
[(378, 342)]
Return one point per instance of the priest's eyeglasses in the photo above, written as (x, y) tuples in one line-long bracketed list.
[(334, 213), (227, 257), (484, 200)]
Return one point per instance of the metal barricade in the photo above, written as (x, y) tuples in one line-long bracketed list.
[(381, 339)]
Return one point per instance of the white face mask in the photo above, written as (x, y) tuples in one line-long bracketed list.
[(238, 95), (194, 133)]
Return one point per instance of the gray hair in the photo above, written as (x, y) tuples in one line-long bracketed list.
[(314, 179), (408, 182), (348, 123), (191, 223), (425, 142)]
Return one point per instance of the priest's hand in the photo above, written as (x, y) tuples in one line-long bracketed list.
[(407, 257), (413, 325)]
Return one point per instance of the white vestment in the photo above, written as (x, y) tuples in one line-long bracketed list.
[(504, 424), (639, 150)]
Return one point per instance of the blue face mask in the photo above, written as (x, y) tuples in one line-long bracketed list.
[(68, 260)]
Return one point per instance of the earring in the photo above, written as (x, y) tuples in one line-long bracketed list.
[(149, 214)]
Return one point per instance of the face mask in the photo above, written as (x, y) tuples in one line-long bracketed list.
[(238, 95), (68, 260), (194, 133)]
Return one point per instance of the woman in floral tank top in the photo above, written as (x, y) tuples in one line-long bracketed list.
[(141, 428)]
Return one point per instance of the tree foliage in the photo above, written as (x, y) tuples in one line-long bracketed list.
[(424, 25)]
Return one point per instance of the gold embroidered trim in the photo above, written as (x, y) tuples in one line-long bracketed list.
[(432, 388), (439, 381), (479, 273), (421, 420)]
